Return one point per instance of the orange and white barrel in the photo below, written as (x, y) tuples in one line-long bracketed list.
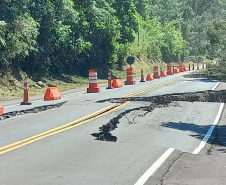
[(129, 77), (156, 72), (93, 82), (181, 67), (169, 69)]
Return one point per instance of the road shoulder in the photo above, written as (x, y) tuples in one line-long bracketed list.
[(208, 167)]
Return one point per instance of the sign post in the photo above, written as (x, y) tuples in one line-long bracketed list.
[(130, 60)]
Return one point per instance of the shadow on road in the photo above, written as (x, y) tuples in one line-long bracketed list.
[(218, 136), (200, 80)]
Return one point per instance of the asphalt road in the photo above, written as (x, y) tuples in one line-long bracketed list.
[(71, 155)]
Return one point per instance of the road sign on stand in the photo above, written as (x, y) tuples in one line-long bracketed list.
[(130, 60)]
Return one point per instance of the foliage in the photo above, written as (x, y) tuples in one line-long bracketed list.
[(46, 37)]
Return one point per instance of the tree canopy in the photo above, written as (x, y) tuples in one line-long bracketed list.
[(72, 36)]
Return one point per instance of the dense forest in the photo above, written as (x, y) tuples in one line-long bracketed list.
[(71, 36)]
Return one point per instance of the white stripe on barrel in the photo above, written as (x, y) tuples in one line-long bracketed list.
[(25, 84)]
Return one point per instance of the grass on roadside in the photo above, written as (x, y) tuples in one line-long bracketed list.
[(15, 89)]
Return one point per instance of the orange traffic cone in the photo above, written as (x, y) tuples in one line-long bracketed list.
[(93, 83), (185, 69), (163, 73), (142, 76), (26, 93), (117, 83), (149, 77), (177, 70), (109, 80), (52, 93), (1, 110)]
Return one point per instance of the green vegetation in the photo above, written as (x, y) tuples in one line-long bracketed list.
[(57, 38)]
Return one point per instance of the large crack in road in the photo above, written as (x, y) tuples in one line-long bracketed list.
[(33, 110), (155, 102)]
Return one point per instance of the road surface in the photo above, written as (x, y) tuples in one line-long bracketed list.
[(59, 146)]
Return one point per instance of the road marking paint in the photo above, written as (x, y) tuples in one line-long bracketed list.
[(215, 86), (41, 100), (57, 130), (85, 117), (11, 106), (209, 133), (154, 167), (153, 87), (19, 104), (75, 123)]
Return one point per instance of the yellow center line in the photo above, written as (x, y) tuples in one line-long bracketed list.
[(54, 131), (77, 122), (153, 87)]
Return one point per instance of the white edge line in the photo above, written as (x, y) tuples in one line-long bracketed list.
[(11, 106), (154, 167), (70, 94), (79, 92), (42, 100), (209, 133), (19, 104), (215, 86)]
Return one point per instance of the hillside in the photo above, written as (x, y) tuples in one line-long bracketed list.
[(59, 41)]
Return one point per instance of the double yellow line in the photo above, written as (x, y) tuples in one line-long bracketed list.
[(77, 122), (153, 87)]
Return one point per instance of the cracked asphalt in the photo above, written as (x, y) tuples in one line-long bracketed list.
[(208, 167), (143, 131)]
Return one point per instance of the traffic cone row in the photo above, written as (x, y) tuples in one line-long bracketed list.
[(53, 93)]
